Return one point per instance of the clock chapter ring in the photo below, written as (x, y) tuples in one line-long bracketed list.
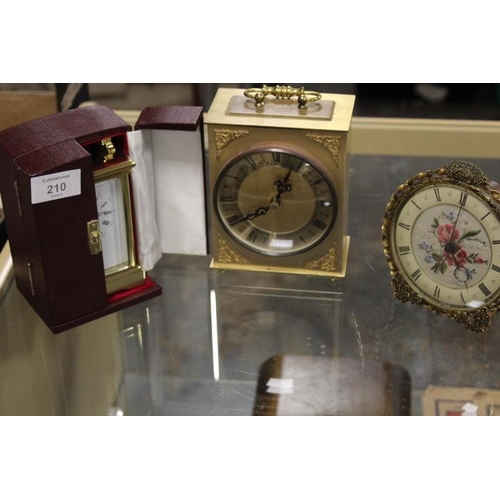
[(277, 196)]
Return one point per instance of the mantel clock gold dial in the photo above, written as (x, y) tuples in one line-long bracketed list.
[(279, 180), (275, 202), (441, 237)]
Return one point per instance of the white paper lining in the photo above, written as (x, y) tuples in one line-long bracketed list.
[(169, 193)]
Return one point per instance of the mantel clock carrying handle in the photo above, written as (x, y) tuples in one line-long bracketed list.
[(282, 92)]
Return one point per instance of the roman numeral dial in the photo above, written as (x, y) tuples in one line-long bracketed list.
[(275, 202), (112, 223)]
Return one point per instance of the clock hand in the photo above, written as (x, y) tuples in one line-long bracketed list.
[(455, 225), (260, 211), (287, 177), (283, 186), (451, 247), (252, 215), (461, 272)]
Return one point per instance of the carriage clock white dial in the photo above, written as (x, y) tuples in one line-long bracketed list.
[(112, 224)]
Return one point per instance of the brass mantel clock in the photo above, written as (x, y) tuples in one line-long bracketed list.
[(441, 236), (278, 180)]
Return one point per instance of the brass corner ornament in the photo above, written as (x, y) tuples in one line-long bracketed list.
[(223, 137), (228, 256), (326, 263), (331, 143)]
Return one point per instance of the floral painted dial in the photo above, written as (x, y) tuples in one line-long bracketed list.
[(275, 202), (446, 242)]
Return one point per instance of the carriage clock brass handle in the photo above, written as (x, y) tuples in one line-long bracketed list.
[(282, 92), (109, 149)]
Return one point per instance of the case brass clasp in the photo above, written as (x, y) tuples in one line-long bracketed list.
[(94, 235)]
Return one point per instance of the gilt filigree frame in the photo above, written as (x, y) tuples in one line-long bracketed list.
[(462, 174)]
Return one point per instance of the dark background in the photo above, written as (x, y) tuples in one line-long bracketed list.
[(467, 101)]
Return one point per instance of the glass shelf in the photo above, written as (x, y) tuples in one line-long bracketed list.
[(243, 343)]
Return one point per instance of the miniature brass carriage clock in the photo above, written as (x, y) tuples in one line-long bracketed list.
[(112, 234), (279, 180), (441, 237)]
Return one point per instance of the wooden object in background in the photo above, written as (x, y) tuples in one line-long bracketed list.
[(20, 106)]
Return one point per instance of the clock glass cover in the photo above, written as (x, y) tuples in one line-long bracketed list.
[(275, 202), (112, 223)]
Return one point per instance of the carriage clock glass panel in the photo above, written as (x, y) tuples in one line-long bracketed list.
[(112, 224), (113, 232)]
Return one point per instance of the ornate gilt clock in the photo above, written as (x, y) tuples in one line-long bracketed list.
[(441, 236), (279, 180)]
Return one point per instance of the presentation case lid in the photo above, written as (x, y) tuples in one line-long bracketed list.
[(170, 118), (84, 125)]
